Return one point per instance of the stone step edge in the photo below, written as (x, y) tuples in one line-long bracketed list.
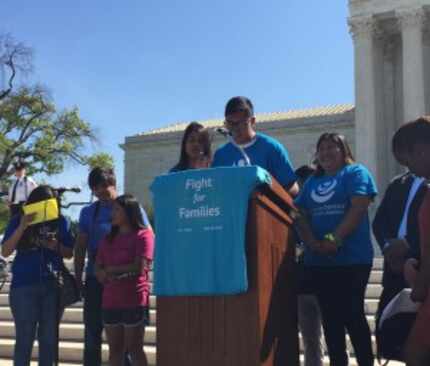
[(6, 347)]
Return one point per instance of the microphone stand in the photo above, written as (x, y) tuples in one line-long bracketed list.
[(56, 272), (224, 132), (58, 310)]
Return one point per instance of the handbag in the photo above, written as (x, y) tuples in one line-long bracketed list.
[(395, 324), (68, 289)]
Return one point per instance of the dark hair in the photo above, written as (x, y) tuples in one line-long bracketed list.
[(304, 172), (41, 193), (204, 138), (398, 143), (239, 104), (133, 212), (32, 234), (340, 142), (412, 133), (100, 176), (19, 165)]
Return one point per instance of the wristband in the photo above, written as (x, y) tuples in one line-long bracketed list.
[(333, 238)]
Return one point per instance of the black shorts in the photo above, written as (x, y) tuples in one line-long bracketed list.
[(127, 317)]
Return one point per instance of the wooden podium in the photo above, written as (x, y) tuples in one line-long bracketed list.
[(258, 327)]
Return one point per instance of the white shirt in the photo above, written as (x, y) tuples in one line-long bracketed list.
[(22, 192), (412, 193), (404, 223)]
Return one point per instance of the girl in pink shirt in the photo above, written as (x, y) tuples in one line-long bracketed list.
[(122, 266)]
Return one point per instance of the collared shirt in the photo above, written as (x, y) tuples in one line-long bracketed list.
[(412, 193), (24, 186)]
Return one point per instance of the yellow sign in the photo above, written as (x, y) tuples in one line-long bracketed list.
[(44, 210)]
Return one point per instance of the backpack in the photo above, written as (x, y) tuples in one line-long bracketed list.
[(395, 325)]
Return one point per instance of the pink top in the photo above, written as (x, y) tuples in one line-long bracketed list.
[(132, 291)]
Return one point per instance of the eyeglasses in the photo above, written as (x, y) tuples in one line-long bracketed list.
[(236, 122)]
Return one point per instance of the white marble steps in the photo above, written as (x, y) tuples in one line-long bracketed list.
[(4, 301), (373, 291), (6, 362), (71, 328), (352, 362), (348, 344), (71, 315), (71, 332), (75, 332), (70, 352)]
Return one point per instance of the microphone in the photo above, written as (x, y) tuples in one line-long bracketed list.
[(226, 133), (223, 131), (62, 190)]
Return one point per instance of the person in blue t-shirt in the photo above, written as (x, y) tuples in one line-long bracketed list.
[(248, 147), (196, 152), (94, 225), (309, 314), (338, 250), (33, 296)]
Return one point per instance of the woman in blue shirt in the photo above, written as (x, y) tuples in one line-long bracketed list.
[(338, 249), (33, 295)]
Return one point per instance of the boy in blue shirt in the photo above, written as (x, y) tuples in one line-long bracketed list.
[(94, 224), (248, 147)]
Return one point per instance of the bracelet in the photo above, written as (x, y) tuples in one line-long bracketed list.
[(333, 238)]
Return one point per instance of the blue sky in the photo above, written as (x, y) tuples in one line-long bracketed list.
[(134, 65)]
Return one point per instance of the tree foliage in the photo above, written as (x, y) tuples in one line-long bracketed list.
[(31, 127), (101, 160), (4, 216)]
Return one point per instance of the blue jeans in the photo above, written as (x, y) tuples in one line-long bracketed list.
[(34, 310), (93, 292)]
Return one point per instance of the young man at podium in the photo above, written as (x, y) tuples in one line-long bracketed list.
[(248, 147)]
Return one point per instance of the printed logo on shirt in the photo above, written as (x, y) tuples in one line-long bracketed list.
[(324, 191), (241, 162)]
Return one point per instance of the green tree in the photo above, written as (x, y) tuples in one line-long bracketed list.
[(4, 216), (31, 127), (101, 160), (15, 58)]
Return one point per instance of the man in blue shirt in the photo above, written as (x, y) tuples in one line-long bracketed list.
[(248, 147), (94, 224)]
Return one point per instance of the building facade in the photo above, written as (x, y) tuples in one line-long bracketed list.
[(392, 85), (392, 79), (155, 152)]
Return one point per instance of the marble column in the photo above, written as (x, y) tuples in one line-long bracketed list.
[(411, 24), (363, 31), (391, 121)]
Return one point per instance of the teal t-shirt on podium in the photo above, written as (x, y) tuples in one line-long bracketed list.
[(200, 226)]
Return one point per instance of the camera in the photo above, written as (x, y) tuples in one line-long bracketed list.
[(36, 236), (50, 235), (44, 234)]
